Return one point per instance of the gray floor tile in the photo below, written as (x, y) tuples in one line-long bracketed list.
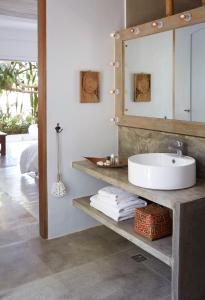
[(88, 265), (19, 266), (48, 288), (18, 199), (13, 216), (68, 252), (152, 263), (114, 277), (8, 237), (29, 232)]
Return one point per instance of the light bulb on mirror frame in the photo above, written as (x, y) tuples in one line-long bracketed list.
[(157, 24), (135, 30), (115, 92), (115, 64), (114, 120), (115, 35), (186, 17)]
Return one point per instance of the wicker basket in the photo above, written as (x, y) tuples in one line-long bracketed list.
[(153, 222)]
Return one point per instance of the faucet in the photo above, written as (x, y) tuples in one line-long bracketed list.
[(179, 146)]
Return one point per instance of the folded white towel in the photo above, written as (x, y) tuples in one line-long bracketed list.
[(113, 215), (95, 199), (119, 202), (116, 211), (129, 203), (114, 193)]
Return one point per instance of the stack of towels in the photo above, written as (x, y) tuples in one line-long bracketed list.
[(116, 203)]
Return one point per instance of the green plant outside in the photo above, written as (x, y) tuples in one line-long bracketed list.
[(15, 125), (19, 77)]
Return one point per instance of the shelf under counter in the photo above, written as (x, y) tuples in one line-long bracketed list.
[(161, 249), (119, 178)]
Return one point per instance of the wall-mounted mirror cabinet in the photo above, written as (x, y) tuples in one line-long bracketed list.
[(161, 74)]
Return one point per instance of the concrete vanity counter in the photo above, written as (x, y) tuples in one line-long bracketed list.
[(118, 177), (184, 251)]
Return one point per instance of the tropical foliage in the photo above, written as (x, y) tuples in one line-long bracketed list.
[(18, 78)]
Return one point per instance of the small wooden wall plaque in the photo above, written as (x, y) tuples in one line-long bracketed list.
[(142, 87), (89, 87)]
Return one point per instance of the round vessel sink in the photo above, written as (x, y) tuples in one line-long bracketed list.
[(162, 171)]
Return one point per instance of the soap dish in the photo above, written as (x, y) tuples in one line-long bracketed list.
[(121, 164)]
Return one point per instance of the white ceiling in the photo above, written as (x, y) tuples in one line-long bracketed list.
[(19, 8)]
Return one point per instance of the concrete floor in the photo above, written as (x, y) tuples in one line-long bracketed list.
[(95, 264)]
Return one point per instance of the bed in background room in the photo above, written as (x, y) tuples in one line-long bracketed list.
[(29, 159)]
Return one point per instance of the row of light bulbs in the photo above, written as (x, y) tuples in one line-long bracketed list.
[(187, 17)]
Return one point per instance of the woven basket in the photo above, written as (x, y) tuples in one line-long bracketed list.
[(153, 222)]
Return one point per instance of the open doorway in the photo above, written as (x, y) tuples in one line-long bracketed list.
[(19, 146), (19, 136), (22, 179)]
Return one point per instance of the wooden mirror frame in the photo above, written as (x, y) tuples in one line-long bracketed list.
[(171, 126)]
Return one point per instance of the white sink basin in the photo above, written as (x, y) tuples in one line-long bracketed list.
[(162, 171)]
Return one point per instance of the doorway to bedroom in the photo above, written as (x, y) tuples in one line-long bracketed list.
[(19, 195), (23, 189)]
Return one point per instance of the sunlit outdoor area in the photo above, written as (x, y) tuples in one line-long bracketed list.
[(18, 96), (19, 115)]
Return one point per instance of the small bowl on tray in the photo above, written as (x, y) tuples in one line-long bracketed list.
[(122, 163)]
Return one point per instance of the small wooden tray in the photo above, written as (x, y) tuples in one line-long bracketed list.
[(94, 160)]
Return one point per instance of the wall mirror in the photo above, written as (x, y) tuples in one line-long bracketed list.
[(172, 68), (161, 78)]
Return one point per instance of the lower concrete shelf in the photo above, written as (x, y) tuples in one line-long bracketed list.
[(161, 249)]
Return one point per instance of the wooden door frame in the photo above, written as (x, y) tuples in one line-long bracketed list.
[(42, 120)]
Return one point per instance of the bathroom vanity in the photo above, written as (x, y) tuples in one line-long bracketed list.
[(184, 251), (159, 85)]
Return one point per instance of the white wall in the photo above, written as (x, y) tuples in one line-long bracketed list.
[(151, 54), (18, 39), (78, 39)]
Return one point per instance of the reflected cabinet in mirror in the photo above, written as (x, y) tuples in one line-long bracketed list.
[(161, 78)]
